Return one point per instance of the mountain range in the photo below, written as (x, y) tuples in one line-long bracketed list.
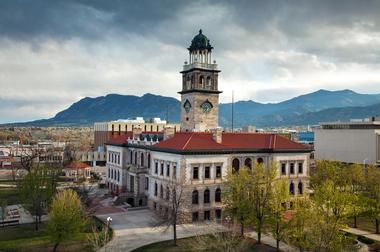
[(308, 109)]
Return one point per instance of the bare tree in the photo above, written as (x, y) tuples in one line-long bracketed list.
[(174, 202)]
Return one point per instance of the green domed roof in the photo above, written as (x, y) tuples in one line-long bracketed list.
[(200, 42)]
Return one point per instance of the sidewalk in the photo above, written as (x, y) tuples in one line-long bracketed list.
[(269, 240), (368, 234)]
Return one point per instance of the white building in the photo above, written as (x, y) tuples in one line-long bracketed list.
[(144, 167), (356, 141)]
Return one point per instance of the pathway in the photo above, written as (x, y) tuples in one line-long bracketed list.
[(370, 235), (134, 229)]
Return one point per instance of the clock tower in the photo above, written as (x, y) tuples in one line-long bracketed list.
[(199, 95)]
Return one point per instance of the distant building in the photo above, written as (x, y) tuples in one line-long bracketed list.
[(355, 141), (77, 170), (249, 129), (104, 131)]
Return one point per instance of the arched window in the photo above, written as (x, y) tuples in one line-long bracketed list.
[(248, 163), (208, 82), (235, 165), (195, 197), (142, 159), (136, 157), (260, 160), (148, 160), (206, 196), (291, 188), (202, 81), (300, 188), (218, 195)]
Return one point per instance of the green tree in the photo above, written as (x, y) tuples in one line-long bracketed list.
[(372, 194), (36, 190), (277, 205), (67, 217), (235, 196), (260, 194)]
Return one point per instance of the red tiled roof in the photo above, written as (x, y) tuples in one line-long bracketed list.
[(77, 165), (197, 141)]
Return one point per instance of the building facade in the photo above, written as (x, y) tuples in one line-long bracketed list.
[(356, 141), (148, 169)]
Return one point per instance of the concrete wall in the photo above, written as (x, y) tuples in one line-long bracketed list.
[(347, 145)]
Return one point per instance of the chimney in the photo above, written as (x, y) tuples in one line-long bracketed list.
[(136, 132), (217, 134), (169, 132)]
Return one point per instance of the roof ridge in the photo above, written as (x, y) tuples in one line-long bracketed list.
[(188, 140)]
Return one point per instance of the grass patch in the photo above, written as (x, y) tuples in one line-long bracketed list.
[(25, 238), (11, 195), (186, 245)]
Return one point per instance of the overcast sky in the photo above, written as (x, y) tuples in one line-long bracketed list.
[(53, 53)]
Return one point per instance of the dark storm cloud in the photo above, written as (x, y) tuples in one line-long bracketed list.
[(267, 50)]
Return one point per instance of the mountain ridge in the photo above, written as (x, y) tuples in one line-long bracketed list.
[(295, 111)]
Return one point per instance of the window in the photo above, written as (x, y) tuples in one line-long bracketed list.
[(136, 157), (300, 188), (118, 175), (291, 188), (149, 161), (218, 172), (132, 183), (283, 168), (130, 155), (174, 171), (167, 193), (195, 197), (195, 173), (207, 172), (248, 163), (207, 215), (300, 168), (218, 214), (156, 168), (109, 172), (162, 169), (195, 216), (155, 206), (142, 159), (235, 165), (155, 189), (146, 183), (206, 196), (291, 168), (218, 195), (167, 170), (260, 161)]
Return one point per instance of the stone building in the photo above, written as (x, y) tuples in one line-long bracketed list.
[(145, 167)]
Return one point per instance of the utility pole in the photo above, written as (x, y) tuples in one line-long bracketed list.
[(232, 112)]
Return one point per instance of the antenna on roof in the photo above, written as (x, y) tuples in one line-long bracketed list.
[(232, 112)]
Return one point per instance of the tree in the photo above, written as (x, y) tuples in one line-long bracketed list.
[(277, 205), (36, 190), (372, 194), (235, 196), (260, 194), (174, 200), (67, 217)]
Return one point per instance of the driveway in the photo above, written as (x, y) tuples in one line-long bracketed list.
[(137, 228)]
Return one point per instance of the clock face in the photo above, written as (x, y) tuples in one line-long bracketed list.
[(187, 106), (206, 106)]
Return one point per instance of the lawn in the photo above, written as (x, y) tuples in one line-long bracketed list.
[(186, 245), (11, 195), (363, 223), (25, 238)]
